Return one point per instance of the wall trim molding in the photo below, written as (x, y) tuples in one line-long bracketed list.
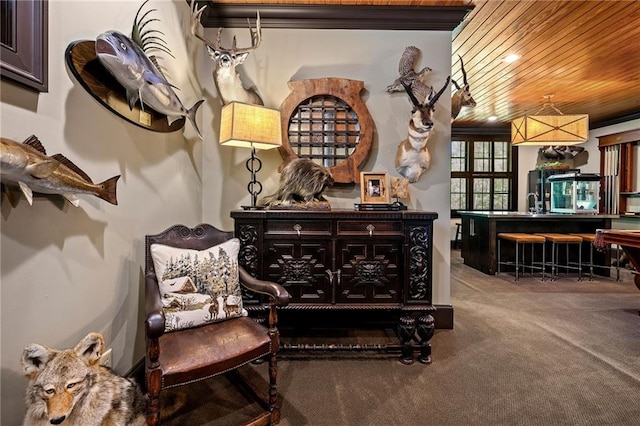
[(481, 131), (444, 317), (615, 120), (351, 17)]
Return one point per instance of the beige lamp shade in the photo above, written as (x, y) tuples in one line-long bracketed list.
[(550, 129), (247, 126)]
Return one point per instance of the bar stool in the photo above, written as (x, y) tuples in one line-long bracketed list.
[(567, 240), (590, 239), (457, 242), (521, 239)]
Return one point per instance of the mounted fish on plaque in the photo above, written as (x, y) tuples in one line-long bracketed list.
[(27, 167), (116, 71)]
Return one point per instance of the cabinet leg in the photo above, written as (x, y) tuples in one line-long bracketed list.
[(406, 332), (425, 329)]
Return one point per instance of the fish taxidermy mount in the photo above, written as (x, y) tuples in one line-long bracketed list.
[(126, 60), (559, 152), (227, 79), (27, 166)]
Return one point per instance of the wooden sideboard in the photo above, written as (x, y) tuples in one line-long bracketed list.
[(345, 260)]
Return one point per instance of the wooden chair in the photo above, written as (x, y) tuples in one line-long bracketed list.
[(185, 356)]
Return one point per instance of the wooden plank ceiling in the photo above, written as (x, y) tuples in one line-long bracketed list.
[(584, 53)]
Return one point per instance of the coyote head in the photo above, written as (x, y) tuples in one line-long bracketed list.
[(59, 379)]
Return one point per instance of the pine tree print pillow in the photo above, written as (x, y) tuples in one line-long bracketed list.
[(198, 286)]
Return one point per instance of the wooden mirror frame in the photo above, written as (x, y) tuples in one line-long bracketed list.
[(348, 91)]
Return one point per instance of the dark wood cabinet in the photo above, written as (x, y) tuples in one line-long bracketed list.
[(618, 152), (346, 260)]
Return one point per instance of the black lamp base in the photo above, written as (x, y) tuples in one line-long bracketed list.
[(254, 164)]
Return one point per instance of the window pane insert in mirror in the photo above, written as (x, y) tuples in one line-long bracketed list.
[(324, 129)]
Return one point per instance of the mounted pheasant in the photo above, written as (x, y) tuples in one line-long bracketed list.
[(408, 75)]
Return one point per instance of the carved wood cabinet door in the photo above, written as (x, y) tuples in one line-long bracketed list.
[(371, 271), (300, 266)]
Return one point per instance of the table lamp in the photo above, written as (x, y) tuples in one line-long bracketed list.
[(251, 126)]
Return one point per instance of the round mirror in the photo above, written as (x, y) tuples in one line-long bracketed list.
[(326, 121)]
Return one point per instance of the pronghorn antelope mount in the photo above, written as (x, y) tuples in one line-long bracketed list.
[(412, 156), (228, 83), (462, 96)]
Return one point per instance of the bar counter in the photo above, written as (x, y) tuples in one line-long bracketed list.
[(480, 231)]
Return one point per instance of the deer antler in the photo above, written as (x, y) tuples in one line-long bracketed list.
[(256, 37), (198, 31), (196, 26)]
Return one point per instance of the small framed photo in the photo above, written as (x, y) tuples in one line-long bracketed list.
[(374, 188)]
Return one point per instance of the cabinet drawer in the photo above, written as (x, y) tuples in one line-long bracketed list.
[(361, 227), (295, 227)]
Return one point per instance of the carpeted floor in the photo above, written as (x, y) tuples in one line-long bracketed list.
[(526, 353)]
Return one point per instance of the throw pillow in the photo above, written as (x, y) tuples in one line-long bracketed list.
[(198, 286)]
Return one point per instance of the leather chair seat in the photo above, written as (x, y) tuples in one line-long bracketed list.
[(210, 351)]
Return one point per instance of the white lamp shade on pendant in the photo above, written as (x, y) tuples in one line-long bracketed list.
[(247, 126), (550, 129)]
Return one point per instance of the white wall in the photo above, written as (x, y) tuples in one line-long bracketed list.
[(527, 156), (67, 271), (370, 56)]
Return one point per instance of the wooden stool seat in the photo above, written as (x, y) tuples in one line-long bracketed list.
[(586, 237), (557, 239), (561, 238), (521, 239)]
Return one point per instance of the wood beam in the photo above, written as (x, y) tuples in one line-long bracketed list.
[(430, 18)]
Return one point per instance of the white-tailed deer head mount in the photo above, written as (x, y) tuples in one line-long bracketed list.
[(412, 155), (462, 96), (227, 80)]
